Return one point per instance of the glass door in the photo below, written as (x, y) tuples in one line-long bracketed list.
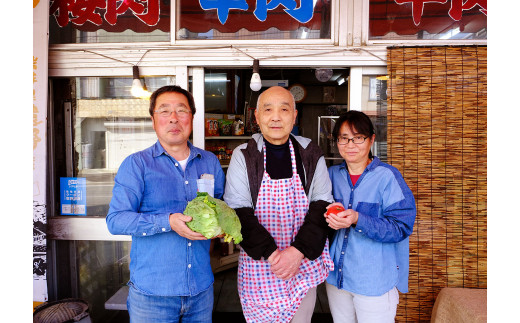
[(367, 93), (95, 122)]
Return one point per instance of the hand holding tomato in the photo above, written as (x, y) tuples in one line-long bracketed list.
[(337, 217), (334, 208)]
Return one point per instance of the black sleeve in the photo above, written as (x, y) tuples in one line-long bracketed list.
[(257, 241), (310, 240)]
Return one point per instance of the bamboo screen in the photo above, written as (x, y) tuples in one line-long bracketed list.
[(437, 100)]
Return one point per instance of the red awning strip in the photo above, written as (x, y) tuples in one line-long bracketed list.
[(385, 16)]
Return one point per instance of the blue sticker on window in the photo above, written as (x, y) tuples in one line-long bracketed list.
[(73, 195)]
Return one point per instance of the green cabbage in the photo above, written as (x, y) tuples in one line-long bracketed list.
[(228, 221), (212, 217)]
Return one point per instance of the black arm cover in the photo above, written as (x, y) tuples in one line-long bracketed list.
[(310, 240), (257, 242)]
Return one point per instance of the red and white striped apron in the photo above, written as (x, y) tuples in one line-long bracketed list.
[(281, 207)]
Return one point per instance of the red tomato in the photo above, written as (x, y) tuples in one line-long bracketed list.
[(335, 210)]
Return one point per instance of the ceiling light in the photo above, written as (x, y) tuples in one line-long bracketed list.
[(342, 79), (137, 89), (256, 82)]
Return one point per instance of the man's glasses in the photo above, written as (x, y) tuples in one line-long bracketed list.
[(358, 140), (180, 112)]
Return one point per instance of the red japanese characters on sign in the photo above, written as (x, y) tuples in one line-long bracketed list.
[(455, 12), (80, 11)]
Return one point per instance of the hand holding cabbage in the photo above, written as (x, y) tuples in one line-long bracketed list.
[(212, 217)]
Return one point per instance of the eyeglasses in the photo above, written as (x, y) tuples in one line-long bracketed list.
[(358, 140), (180, 112)]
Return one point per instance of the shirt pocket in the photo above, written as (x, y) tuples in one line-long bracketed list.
[(370, 209)]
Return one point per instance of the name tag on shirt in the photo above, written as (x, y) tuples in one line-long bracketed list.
[(206, 183)]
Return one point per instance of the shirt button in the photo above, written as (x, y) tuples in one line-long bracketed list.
[(144, 233), (163, 229), (186, 182), (189, 265), (189, 244), (340, 269), (176, 164), (342, 252), (350, 205), (359, 231), (345, 237)]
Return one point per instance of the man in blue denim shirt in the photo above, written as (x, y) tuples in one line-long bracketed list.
[(170, 272)]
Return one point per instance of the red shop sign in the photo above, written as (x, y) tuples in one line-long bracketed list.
[(147, 15), (408, 17), (404, 17)]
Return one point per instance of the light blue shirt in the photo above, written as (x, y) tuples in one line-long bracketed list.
[(150, 185), (372, 257)]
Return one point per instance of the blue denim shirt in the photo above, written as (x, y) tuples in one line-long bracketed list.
[(372, 257), (150, 185)]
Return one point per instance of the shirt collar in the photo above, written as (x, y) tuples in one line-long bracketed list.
[(375, 162), (158, 150)]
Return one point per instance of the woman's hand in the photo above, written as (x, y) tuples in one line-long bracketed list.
[(335, 208), (342, 219)]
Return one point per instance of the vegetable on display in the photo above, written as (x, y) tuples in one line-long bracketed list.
[(212, 217)]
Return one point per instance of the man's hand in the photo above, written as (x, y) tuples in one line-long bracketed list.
[(178, 224), (343, 219), (288, 263), (274, 257)]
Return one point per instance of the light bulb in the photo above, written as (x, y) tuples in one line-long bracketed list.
[(146, 95), (137, 88), (256, 82)]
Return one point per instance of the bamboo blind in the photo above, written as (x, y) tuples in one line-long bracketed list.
[(437, 101)]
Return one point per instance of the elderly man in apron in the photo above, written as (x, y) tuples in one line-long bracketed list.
[(279, 186)]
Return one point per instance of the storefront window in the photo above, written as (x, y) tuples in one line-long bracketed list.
[(373, 96), (109, 124), (94, 271), (414, 19), (109, 21), (217, 84), (254, 19)]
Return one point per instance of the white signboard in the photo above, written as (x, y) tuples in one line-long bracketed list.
[(40, 63)]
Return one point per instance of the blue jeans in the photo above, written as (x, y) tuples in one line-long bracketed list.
[(161, 309)]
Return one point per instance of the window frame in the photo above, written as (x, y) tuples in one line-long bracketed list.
[(334, 36), (91, 227), (364, 26)]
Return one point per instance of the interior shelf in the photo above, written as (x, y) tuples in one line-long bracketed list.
[(227, 137)]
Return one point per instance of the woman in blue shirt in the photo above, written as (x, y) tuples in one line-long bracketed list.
[(370, 245)]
